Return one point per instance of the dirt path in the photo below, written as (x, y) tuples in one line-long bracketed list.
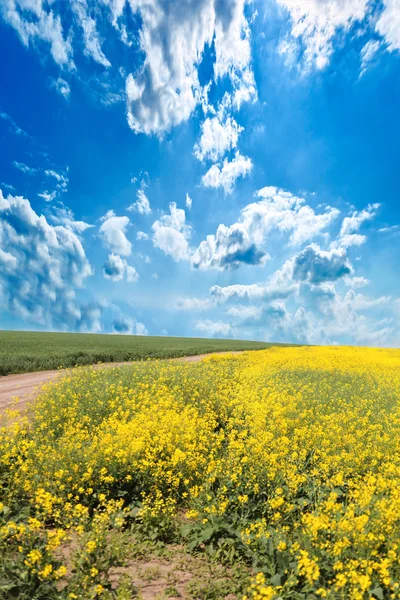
[(17, 390)]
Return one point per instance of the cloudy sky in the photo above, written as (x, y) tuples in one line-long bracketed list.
[(210, 168)]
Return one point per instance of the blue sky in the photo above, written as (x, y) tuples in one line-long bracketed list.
[(202, 168)]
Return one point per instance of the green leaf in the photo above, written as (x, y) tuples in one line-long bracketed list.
[(276, 579)]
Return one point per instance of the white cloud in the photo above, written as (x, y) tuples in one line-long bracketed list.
[(116, 268), (61, 185), (228, 248), (320, 315), (42, 266), (214, 328), (361, 302), (60, 177), (13, 126), (348, 235), (171, 233), (113, 231), (128, 326), (312, 266), (173, 38), (48, 196), (271, 291), (142, 204), (62, 215), (352, 239), (245, 89), (62, 87), (225, 175), (335, 318), (189, 202), (356, 282), (25, 169), (141, 235), (314, 24), (33, 22), (353, 223), (388, 24), (318, 266), (198, 304), (244, 241), (367, 54), (245, 313), (217, 138), (90, 34), (387, 229)]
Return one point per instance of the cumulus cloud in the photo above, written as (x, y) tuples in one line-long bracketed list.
[(171, 234), (113, 233), (368, 53), (25, 169), (228, 248), (352, 224), (35, 22), (319, 266), (318, 315), (217, 137), (226, 174), (128, 326), (278, 287), (62, 87), (13, 126), (188, 202), (173, 38), (62, 215), (312, 265), (197, 304), (61, 184), (356, 282), (245, 313), (41, 267), (351, 239), (337, 318), (244, 241), (90, 34), (348, 235), (142, 204), (253, 291), (48, 196), (218, 329), (388, 24), (272, 316), (116, 268), (315, 24)]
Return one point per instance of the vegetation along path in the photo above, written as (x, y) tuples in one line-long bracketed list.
[(16, 391)]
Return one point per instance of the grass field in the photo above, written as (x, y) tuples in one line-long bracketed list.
[(24, 351), (264, 475)]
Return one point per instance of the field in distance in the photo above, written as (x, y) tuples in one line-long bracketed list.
[(28, 351)]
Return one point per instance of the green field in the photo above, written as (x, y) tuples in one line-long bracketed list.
[(27, 351)]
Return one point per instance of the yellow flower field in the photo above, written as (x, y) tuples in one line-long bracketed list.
[(284, 461)]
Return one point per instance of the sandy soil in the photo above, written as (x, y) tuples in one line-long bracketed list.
[(16, 391)]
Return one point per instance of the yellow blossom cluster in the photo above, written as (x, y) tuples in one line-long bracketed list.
[(296, 448)]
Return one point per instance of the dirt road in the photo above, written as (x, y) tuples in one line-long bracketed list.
[(17, 390)]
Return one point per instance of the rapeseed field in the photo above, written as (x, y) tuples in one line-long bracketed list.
[(283, 464)]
